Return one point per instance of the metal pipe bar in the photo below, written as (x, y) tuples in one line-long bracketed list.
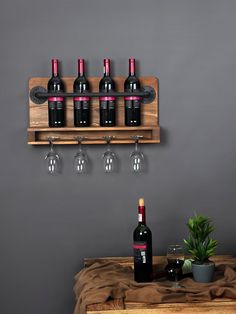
[(95, 94), (39, 94)]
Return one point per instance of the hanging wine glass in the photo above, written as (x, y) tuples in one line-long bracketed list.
[(136, 157), (81, 161), (52, 159), (109, 158)]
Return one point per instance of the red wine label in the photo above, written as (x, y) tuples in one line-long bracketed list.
[(132, 98), (140, 245), (140, 252), (107, 98), (55, 98), (81, 98)]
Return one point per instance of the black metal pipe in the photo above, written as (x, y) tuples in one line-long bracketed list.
[(144, 94), (39, 94)]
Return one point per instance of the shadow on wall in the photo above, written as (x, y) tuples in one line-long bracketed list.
[(164, 137)]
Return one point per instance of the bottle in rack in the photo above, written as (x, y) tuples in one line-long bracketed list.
[(56, 105), (81, 103), (142, 246), (107, 103), (132, 103)]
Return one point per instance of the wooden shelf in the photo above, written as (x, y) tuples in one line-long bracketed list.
[(93, 135), (39, 132)]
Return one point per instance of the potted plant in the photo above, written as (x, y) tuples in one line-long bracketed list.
[(201, 247)]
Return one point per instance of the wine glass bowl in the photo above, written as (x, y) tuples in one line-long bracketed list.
[(137, 159), (109, 158), (81, 161), (175, 259), (52, 159)]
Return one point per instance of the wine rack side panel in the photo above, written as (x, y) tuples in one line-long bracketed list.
[(38, 114)]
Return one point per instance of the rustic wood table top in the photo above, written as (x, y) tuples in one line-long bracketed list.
[(220, 305)]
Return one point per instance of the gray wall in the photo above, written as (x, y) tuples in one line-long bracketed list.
[(47, 224)]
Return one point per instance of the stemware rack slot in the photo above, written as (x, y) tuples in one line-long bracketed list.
[(39, 132)]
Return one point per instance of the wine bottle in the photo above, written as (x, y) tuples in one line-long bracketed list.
[(132, 103), (142, 247), (81, 103), (107, 103), (56, 106)]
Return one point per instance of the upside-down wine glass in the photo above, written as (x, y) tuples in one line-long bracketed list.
[(136, 157), (81, 161), (109, 157), (52, 159)]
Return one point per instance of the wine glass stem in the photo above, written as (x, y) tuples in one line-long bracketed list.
[(51, 146), (80, 146)]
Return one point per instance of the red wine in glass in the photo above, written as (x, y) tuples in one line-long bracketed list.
[(175, 259)]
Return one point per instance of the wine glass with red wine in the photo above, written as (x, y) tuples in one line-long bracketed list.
[(175, 259)]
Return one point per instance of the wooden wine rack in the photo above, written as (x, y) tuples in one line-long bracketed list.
[(39, 132)]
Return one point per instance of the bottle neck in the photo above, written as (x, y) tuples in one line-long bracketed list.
[(107, 67), (81, 67), (131, 67), (54, 67), (141, 215)]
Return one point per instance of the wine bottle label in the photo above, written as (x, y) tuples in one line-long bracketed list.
[(128, 104), (59, 105), (132, 98), (103, 104), (81, 105), (81, 98), (140, 217), (140, 252), (132, 101), (107, 98), (55, 98), (81, 102), (107, 104), (56, 104), (111, 104), (136, 104)]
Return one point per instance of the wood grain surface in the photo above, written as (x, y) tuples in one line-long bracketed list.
[(39, 132), (38, 114), (217, 306)]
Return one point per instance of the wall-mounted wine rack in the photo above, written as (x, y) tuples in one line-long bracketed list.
[(39, 132)]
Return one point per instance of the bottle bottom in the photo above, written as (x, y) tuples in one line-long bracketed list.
[(143, 273)]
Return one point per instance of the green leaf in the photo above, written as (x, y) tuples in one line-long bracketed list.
[(198, 243)]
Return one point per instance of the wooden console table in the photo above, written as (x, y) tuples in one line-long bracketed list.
[(117, 306)]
